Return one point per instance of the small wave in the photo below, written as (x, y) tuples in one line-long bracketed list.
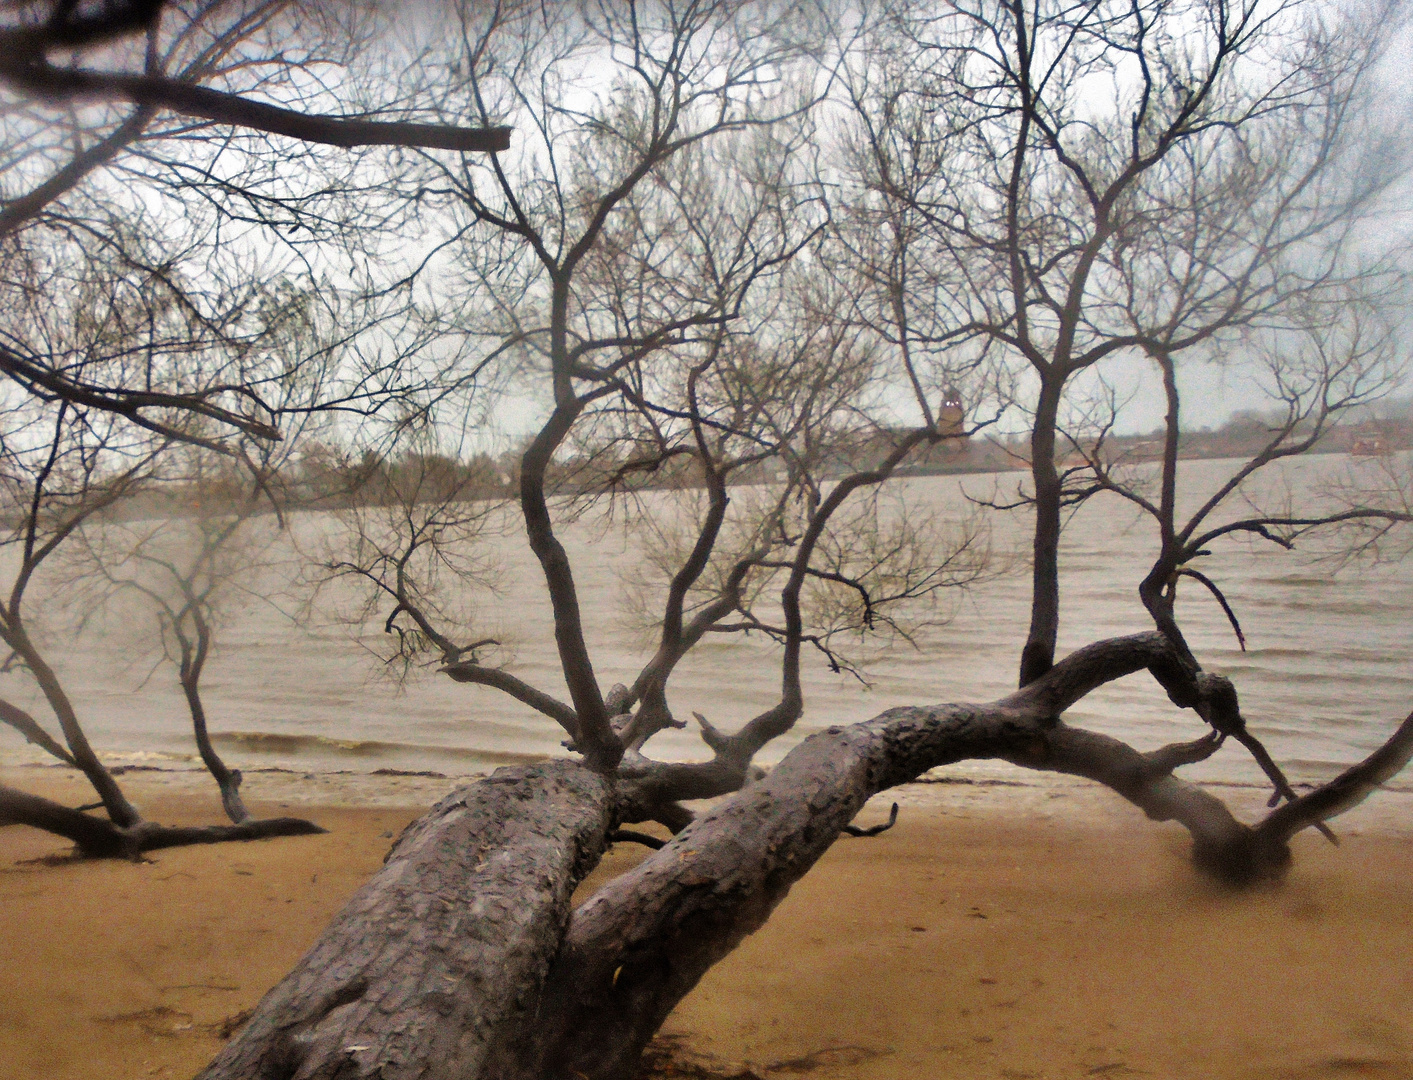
[(1353, 678), (274, 742), (1364, 607), (134, 759)]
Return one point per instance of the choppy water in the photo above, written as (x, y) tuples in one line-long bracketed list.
[(1327, 674)]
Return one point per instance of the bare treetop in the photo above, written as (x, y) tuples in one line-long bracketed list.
[(118, 136)]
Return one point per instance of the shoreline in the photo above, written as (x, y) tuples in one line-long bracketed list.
[(1005, 790), (998, 932)]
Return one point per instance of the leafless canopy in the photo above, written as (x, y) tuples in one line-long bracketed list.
[(119, 88), (740, 265)]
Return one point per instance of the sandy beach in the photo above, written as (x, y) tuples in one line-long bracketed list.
[(996, 932)]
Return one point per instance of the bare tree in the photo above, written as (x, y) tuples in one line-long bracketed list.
[(416, 525), (56, 485), (146, 93), (213, 538), (159, 318), (622, 262), (1194, 217), (70, 470), (1203, 195), (184, 568)]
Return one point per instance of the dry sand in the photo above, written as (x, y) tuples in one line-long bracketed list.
[(994, 933)]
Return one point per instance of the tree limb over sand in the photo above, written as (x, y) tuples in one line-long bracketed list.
[(98, 838), (586, 1005)]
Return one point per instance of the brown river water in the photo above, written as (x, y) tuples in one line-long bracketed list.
[(1327, 674)]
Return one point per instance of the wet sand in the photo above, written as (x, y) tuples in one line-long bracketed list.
[(996, 932)]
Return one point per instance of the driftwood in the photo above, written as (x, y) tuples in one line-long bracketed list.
[(461, 957), (100, 838)]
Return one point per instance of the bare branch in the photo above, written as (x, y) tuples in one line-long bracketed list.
[(40, 80)]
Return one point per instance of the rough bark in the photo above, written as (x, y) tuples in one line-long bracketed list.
[(635, 948), (444, 950)]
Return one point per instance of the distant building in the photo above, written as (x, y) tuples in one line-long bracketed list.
[(1376, 438), (951, 417)]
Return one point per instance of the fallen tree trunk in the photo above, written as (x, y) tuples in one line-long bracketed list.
[(445, 950), (641, 943), (460, 959), (123, 834)]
